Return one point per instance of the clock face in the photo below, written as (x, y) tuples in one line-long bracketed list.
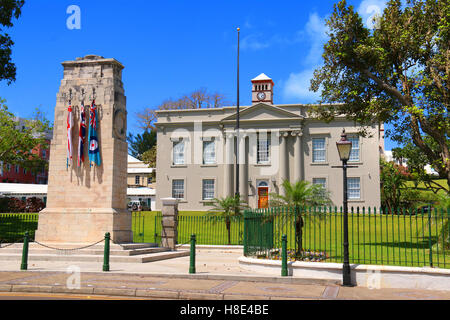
[(261, 95)]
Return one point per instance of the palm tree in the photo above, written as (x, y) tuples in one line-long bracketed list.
[(231, 206), (298, 195)]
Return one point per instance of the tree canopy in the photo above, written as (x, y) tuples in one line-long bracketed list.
[(197, 99), (397, 73), (9, 9), (20, 137)]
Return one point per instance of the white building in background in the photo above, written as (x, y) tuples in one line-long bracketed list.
[(142, 192), (389, 157)]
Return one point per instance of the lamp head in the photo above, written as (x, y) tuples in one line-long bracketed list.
[(344, 147)]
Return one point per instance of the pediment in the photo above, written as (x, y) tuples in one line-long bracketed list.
[(262, 112)]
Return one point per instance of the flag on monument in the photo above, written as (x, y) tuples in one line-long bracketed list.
[(94, 151), (81, 136), (69, 134)]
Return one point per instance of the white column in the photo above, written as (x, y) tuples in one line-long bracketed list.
[(228, 165), (243, 183), (284, 173), (298, 163)]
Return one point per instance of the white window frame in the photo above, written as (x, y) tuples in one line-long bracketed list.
[(266, 152), (137, 180), (178, 157), (314, 160), (349, 189), (209, 160), (355, 137), (212, 192), (325, 185), (184, 189)]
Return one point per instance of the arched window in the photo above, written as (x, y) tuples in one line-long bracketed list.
[(263, 184)]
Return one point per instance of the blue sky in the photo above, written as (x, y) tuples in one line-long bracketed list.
[(170, 48)]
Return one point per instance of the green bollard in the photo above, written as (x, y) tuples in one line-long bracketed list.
[(24, 265), (106, 252), (192, 257), (284, 269)]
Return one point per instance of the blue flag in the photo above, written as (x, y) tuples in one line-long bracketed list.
[(94, 150)]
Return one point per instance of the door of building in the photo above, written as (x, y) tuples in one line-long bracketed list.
[(263, 195)]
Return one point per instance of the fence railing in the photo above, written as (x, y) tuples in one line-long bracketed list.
[(14, 225), (211, 230), (403, 238)]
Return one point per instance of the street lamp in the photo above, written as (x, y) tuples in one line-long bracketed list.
[(344, 147)]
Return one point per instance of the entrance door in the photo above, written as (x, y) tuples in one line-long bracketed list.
[(263, 195)]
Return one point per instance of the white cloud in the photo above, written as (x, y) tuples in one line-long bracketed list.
[(297, 87), (298, 83), (253, 42), (369, 9)]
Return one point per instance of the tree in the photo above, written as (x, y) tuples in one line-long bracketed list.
[(228, 207), (197, 99), (141, 143), (416, 162), (19, 139), (398, 74), (299, 195), (9, 9)]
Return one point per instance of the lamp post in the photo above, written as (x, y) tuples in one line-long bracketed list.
[(344, 147)]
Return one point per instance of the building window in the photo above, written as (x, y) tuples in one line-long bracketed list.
[(354, 154), (209, 152), (318, 148), (149, 180), (17, 169), (44, 154), (320, 181), (24, 171), (178, 189), (208, 189), (8, 167), (354, 188), (178, 152), (137, 180), (263, 148)]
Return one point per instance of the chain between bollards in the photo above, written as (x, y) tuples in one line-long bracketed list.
[(106, 252), (24, 265), (284, 269), (192, 256)]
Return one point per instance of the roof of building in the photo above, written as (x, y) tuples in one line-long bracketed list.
[(262, 76)]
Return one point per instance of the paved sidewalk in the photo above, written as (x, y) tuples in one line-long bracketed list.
[(217, 277)]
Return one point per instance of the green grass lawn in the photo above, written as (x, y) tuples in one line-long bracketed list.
[(373, 239)]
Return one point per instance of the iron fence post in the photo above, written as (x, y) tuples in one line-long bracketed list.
[(284, 270), (192, 255), (430, 244), (106, 252), (24, 265)]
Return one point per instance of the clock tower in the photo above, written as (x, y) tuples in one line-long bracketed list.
[(262, 89)]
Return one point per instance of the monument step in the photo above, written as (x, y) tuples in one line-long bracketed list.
[(89, 251), (99, 246), (143, 258)]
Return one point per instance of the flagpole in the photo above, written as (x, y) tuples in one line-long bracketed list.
[(237, 121)]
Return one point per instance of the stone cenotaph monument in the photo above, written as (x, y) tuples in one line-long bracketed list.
[(84, 202)]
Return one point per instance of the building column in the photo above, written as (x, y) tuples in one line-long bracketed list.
[(243, 176), (228, 184), (284, 169), (298, 163)]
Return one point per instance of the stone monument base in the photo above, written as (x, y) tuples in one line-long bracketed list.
[(83, 225)]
